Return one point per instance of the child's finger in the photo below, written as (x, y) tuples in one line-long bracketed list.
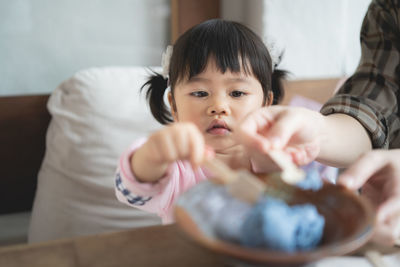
[(181, 143), (197, 147), (165, 147)]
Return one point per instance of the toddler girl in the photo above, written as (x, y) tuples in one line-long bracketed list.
[(218, 73)]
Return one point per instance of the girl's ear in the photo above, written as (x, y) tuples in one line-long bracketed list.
[(171, 102), (270, 98)]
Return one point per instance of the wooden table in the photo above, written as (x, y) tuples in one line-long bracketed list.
[(149, 246)]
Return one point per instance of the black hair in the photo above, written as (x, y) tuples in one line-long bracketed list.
[(232, 45)]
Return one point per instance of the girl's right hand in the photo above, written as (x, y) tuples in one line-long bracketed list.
[(178, 141)]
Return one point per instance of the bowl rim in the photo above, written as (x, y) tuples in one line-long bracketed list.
[(342, 247)]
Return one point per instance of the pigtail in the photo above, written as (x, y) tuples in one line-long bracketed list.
[(277, 78), (156, 86)]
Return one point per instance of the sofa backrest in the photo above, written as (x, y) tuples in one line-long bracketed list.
[(23, 124)]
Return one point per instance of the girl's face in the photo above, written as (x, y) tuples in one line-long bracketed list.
[(215, 102)]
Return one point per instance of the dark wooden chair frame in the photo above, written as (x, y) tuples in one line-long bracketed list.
[(23, 125)]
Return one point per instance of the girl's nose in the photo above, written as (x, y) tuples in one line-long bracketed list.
[(218, 108)]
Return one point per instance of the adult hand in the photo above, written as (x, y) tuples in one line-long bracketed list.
[(296, 130), (377, 173)]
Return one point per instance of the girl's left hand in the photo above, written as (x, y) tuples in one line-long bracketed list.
[(377, 173)]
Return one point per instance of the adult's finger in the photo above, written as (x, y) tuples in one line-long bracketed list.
[(388, 209), (384, 235), (363, 169), (388, 231), (249, 131), (287, 123)]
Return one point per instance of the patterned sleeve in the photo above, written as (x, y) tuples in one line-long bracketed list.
[(372, 93), (158, 197), (129, 190)]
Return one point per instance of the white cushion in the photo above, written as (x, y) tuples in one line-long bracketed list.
[(96, 114)]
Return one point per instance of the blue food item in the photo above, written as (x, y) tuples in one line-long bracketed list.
[(231, 218), (312, 180), (270, 223), (273, 224)]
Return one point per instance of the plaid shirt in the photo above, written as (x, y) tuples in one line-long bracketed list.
[(372, 94)]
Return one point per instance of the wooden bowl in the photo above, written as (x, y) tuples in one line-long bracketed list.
[(349, 221)]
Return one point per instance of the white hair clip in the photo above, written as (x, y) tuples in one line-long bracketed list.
[(165, 60), (275, 53)]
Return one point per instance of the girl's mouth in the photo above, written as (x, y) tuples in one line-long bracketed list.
[(218, 127)]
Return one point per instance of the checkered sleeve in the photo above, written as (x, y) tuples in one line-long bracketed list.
[(372, 93)]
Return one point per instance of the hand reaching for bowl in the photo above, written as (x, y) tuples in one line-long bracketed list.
[(180, 140), (295, 130), (307, 135), (337, 140), (377, 173)]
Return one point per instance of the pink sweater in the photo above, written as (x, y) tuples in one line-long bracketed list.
[(157, 197)]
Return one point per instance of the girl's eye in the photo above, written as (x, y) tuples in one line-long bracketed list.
[(199, 94), (237, 93)]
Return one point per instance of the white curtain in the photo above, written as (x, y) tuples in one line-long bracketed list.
[(320, 38)]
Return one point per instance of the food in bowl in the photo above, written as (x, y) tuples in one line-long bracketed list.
[(273, 224), (212, 217)]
